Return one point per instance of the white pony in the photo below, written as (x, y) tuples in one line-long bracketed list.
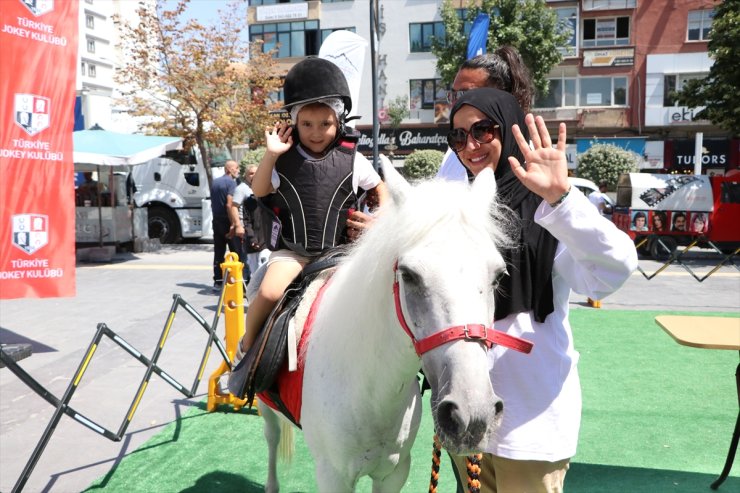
[(427, 267)]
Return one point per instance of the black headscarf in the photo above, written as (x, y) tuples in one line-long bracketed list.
[(528, 287)]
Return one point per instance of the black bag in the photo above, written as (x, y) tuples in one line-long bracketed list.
[(262, 227)]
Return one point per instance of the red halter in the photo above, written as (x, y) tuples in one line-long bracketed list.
[(470, 332)]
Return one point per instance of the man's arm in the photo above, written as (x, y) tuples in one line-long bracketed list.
[(236, 222)]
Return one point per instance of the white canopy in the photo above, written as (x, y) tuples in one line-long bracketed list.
[(101, 147)]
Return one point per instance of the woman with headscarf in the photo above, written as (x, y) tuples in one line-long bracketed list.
[(561, 243)]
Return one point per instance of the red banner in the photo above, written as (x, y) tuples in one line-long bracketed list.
[(38, 59)]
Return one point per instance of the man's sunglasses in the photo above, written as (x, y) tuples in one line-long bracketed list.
[(453, 95), (483, 131)]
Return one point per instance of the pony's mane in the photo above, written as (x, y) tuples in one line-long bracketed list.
[(432, 210), (433, 207)]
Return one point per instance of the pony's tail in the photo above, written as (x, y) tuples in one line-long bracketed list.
[(286, 448)]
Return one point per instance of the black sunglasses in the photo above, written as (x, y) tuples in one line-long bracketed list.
[(483, 131), (453, 95)]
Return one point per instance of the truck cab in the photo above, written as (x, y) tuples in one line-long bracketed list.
[(174, 190)]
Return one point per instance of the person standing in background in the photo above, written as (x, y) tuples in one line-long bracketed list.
[(222, 192), (598, 199), (243, 230)]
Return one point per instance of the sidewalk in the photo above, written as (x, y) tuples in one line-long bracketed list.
[(132, 295)]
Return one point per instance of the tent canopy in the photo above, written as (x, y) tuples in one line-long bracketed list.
[(104, 148)]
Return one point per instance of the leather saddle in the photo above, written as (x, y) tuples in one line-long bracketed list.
[(257, 370)]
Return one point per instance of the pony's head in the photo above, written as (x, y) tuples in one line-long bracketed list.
[(445, 240)]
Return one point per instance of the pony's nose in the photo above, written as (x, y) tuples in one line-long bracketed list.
[(450, 418), (498, 406), (456, 423)]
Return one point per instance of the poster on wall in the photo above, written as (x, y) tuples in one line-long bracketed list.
[(38, 54)]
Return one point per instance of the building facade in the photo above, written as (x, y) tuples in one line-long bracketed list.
[(99, 55), (616, 83)]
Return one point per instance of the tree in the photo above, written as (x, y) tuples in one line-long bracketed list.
[(605, 162), (193, 81), (720, 90), (528, 25), (398, 109)]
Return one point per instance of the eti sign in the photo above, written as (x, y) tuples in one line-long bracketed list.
[(671, 115)]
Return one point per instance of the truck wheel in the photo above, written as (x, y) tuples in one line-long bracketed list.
[(163, 225), (663, 249)]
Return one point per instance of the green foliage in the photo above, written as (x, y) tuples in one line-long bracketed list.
[(605, 162), (528, 25), (720, 90), (252, 156), (204, 83), (422, 164), (398, 109)]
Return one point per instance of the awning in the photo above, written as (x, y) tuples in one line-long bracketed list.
[(104, 148)]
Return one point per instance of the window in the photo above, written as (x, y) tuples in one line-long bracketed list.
[(606, 32), (562, 93), (90, 21), (327, 32), (673, 83), (700, 23), (467, 25), (587, 91), (603, 91), (421, 33), (568, 22), (82, 68), (423, 93), (91, 46), (91, 71), (292, 39)]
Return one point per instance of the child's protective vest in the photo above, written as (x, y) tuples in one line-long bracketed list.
[(314, 198)]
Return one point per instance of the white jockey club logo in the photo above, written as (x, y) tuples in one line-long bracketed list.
[(38, 7), (30, 232), (32, 112)]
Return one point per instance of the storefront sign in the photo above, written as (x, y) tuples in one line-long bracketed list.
[(609, 58), (673, 115), (407, 140), (634, 144), (715, 153), (287, 11), (38, 50)]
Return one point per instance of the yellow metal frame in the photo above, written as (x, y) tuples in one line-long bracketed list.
[(231, 302)]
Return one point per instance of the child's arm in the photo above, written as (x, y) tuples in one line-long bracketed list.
[(277, 141)]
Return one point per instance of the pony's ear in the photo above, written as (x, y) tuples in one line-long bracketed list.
[(397, 185), (485, 184)]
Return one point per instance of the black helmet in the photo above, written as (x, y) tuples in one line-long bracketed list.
[(313, 79)]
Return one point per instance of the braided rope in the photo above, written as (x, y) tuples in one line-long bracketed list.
[(436, 455), (473, 465)]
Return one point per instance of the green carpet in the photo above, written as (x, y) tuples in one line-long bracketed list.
[(657, 417)]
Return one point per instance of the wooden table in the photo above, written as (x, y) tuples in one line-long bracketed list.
[(709, 333)]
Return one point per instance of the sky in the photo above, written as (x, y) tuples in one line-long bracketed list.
[(205, 11)]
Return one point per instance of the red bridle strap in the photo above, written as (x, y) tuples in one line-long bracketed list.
[(468, 332)]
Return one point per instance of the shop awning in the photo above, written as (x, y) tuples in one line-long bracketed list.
[(103, 148)]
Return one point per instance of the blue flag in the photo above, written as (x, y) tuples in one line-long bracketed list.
[(478, 36)]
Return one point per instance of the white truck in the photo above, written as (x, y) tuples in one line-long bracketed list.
[(174, 189)]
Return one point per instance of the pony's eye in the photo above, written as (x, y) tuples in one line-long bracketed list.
[(497, 278), (409, 277)]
